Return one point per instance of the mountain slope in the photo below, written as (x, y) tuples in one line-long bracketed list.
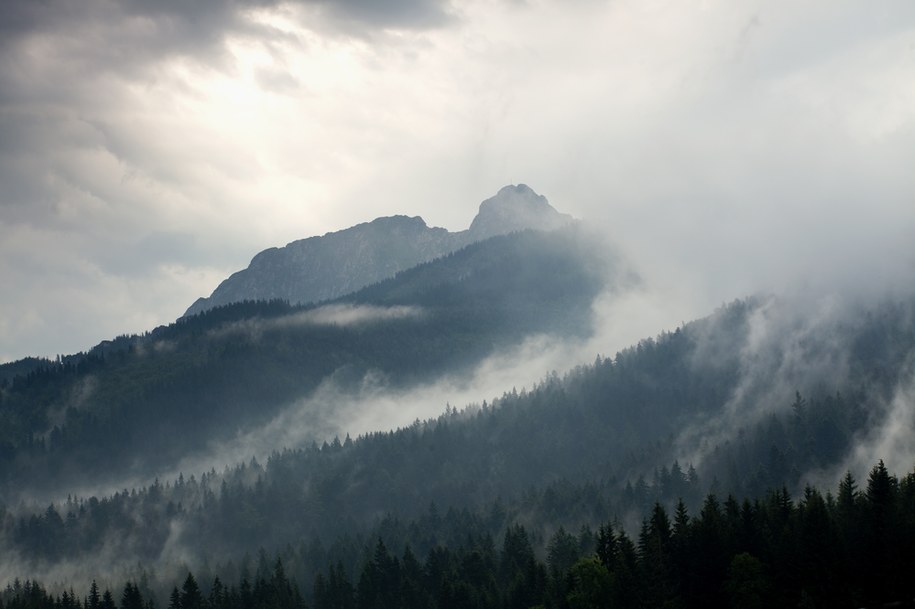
[(322, 268), (604, 442), (137, 404)]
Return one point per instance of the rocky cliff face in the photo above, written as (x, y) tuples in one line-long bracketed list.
[(320, 268), (515, 208)]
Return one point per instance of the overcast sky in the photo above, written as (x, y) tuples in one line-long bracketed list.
[(149, 148)]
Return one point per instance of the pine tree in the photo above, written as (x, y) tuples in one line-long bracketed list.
[(107, 601), (191, 598), (94, 598), (174, 600), (131, 597)]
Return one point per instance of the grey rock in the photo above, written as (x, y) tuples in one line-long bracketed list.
[(515, 208), (325, 267)]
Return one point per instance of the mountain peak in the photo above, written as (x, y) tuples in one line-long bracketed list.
[(522, 189), (326, 267), (514, 208)]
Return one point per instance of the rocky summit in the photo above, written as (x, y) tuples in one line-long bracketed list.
[(325, 267), (515, 208)]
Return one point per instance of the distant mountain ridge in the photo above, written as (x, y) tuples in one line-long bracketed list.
[(141, 404), (321, 268)]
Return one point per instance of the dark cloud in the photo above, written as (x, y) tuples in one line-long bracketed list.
[(359, 14), (120, 37), (356, 15), (138, 28), (148, 149), (19, 17)]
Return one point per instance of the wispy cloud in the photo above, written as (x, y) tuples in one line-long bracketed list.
[(342, 315)]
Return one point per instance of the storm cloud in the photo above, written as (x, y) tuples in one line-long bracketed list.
[(149, 149)]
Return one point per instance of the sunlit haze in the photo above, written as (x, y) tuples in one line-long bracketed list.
[(148, 150)]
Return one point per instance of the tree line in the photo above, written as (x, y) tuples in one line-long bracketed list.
[(851, 548)]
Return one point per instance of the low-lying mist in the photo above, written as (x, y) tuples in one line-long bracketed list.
[(340, 408), (807, 340), (342, 315)]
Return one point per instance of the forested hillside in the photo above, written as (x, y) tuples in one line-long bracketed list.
[(604, 442), (850, 549), (138, 403)]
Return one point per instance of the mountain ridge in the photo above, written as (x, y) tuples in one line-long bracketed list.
[(209, 377), (324, 267), (574, 450)]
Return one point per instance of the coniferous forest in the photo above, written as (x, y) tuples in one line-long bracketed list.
[(141, 403), (709, 466), (851, 547)]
